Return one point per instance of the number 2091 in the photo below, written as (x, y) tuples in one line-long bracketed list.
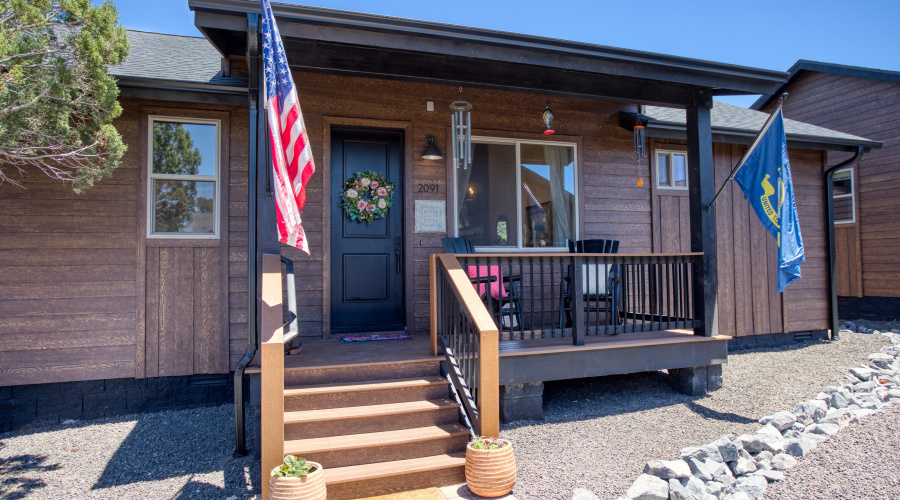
[(429, 188)]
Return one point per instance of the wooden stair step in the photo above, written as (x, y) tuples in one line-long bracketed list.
[(368, 411), (351, 442), (372, 385), (378, 470)]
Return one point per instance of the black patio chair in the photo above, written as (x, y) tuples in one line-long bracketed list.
[(506, 309), (596, 298)]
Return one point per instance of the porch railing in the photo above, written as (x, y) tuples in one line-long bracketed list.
[(272, 369), (530, 295), (463, 331)]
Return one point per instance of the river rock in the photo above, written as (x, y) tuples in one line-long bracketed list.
[(753, 486), (770, 475), (783, 420), (699, 469), (742, 466), (647, 487), (815, 409), (668, 469), (783, 461)]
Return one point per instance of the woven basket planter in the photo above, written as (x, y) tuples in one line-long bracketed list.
[(310, 487), (490, 473)]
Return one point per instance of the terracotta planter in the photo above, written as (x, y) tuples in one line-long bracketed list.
[(490, 473), (311, 487)]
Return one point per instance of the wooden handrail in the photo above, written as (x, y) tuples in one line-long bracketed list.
[(481, 255), (488, 383), (272, 370)]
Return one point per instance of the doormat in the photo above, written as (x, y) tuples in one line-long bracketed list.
[(375, 338)]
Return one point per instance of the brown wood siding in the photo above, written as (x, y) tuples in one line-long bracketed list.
[(866, 263), (84, 295), (611, 203), (67, 282), (749, 303)]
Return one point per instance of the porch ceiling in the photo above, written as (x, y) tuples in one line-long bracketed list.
[(332, 41)]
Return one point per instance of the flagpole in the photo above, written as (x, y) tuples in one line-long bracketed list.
[(749, 150)]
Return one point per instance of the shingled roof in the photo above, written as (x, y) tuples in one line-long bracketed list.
[(177, 58), (728, 119)]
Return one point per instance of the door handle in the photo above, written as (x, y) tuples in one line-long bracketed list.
[(399, 256)]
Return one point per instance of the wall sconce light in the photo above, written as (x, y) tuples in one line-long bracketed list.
[(547, 118), (431, 152)]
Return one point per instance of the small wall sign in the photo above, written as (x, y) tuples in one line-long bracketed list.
[(431, 216)]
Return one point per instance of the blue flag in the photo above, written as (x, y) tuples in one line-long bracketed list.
[(765, 179)]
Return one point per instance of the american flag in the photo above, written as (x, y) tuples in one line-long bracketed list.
[(292, 159)]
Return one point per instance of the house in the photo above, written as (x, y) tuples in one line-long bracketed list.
[(139, 294), (858, 101)]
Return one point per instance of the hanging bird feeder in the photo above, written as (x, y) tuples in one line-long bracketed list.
[(461, 129), (547, 118)]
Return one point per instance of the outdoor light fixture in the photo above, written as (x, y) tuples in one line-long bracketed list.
[(461, 127), (431, 152), (640, 150), (547, 118)]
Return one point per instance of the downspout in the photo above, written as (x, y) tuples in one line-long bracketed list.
[(240, 442), (829, 203)]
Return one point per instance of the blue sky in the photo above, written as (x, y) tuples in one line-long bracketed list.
[(766, 34)]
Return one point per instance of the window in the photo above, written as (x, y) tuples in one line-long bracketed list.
[(518, 194), (671, 169), (842, 194), (183, 186)]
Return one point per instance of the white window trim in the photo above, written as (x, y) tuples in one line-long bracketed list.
[(216, 179), (517, 142), (852, 197), (669, 153)]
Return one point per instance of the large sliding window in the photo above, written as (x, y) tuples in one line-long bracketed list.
[(518, 194), (184, 169)]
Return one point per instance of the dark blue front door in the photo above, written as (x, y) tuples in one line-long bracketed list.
[(366, 259)]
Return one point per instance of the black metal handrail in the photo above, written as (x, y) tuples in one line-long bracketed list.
[(468, 340), (576, 295)]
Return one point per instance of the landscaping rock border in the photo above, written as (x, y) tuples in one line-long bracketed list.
[(740, 467)]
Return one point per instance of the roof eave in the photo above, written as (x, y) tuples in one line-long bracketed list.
[(387, 33)]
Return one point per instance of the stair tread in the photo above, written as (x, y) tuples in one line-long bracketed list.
[(386, 469), (368, 411), (364, 386), (355, 441)]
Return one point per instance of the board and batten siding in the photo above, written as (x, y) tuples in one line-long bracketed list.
[(749, 303), (867, 261), (84, 295)]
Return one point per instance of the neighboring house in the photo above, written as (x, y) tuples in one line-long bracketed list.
[(136, 295), (861, 101)]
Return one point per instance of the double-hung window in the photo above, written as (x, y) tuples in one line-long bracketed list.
[(671, 169), (183, 178), (518, 194), (842, 194)]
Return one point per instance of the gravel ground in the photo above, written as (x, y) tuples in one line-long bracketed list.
[(598, 433), (861, 462), (172, 454)]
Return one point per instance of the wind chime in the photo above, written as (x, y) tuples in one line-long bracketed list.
[(461, 128), (640, 148)]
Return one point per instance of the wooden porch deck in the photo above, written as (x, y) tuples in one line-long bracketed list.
[(532, 360)]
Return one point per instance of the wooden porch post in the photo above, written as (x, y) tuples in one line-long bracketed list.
[(701, 185)]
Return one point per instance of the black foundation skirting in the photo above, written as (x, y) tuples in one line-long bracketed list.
[(24, 406), (774, 340), (871, 308)]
